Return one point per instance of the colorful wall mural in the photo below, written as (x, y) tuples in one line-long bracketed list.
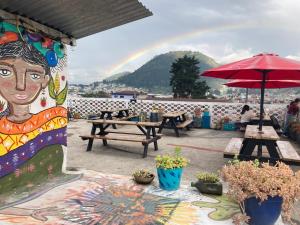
[(33, 115)]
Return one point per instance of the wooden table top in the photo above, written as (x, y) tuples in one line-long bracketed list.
[(113, 110), (120, 122), (174, 114), (268, 133)]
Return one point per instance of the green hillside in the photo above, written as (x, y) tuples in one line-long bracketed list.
[(155, 76), (116, 76)]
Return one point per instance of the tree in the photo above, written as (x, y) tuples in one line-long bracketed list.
[(200, 89), (185, 72)]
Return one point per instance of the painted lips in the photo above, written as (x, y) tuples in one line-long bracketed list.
[(21, 97)]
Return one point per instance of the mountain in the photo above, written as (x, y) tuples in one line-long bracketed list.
[(155, 76), (116, 76)]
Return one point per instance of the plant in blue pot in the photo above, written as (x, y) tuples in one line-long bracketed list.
[(169, 169), (263, 191)]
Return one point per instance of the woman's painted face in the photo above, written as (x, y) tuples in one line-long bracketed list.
[(21, 82)]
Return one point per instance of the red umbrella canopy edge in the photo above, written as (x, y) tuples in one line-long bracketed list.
[(257, 84), (272, 66)]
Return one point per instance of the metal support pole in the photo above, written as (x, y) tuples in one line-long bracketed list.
[(262, 96)]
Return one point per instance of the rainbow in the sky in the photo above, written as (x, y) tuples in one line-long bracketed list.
[(117, 67)]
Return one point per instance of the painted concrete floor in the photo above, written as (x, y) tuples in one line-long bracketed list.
[(99, 199), (96, 197)]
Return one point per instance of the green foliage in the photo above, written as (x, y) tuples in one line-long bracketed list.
[(143, 173), (199, 90), (185, 72), (206, 177), (155, 74), (59, 97), (99, 94), (171, 161), (51, 88)]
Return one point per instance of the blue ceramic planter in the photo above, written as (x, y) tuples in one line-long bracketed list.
[(265, 213), (169, 179)]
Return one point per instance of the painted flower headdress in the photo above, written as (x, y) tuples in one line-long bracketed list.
[(51, 49)]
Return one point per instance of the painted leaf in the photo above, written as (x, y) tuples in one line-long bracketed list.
[(61, 97), (224, 208), (51, 88)]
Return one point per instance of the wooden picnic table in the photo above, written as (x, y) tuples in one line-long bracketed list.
[(147, 136), (108, 114), (174, 120), (254, 139)]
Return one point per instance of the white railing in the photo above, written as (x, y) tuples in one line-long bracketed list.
[(88, 106)]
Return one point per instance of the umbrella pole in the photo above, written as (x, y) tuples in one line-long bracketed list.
[(262, 96)]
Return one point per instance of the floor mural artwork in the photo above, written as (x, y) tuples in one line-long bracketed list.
[(99, 199)]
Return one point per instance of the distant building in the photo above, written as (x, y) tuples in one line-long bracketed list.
[(128, 95)]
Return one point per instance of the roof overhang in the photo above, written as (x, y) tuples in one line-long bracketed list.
[(72, 19)]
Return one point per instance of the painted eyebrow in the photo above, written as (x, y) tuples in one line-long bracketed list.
[(6, 64), (34, 71)]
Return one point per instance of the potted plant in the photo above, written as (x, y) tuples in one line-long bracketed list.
[(208, 183), (143, 176), (262, 191), (169, 169), (76, 115)]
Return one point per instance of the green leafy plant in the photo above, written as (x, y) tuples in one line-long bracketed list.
[(142, 173), (206, 177), (171, 161), (54, 90)]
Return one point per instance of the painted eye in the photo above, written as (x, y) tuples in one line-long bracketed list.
[(35, 76), (4, 72)]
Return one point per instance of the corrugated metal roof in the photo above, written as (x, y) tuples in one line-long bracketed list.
[(78, 18)]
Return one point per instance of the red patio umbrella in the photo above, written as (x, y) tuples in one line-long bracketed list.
[(256, 84), (261, 67)]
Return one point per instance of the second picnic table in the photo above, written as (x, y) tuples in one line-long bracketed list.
[(175, 121), (108, 114)]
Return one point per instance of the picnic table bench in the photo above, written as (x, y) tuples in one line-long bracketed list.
[(147, 136), (174, 120), (275, 150)]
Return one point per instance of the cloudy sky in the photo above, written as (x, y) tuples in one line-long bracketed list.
[(225, 30)]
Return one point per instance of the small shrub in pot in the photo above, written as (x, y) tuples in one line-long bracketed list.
[(208, 183)]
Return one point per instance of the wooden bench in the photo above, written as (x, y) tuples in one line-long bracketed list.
[(122, 137), (184, 124), (233, 147), (288, 153)]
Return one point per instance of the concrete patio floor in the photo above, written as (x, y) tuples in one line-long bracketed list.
[(203, 147)]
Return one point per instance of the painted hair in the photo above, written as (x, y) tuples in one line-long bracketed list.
[(27, 52), (245, 109)]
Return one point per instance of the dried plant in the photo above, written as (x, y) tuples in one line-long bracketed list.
[(250, 178)]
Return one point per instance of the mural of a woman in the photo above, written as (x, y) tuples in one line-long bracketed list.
[(30, 144)]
